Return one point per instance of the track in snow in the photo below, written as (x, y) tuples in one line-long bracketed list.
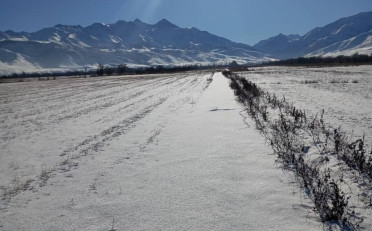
[(157, 152), (42, 121)]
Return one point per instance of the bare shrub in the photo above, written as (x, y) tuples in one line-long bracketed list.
[(16, 188), (283, 135), (44, 176), (310, 81)]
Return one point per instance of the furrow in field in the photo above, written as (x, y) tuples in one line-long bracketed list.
[(82, 128), (48, 115), (69, 97), (132, 112)]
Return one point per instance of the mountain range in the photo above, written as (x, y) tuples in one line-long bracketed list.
[(139, 43), (122, 42), (345, 36)]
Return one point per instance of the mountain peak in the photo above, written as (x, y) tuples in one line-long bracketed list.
[(97, 26), (137, 21), (165, 23)]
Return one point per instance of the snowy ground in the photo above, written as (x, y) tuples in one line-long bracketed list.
[(164, 152), (345, 93)]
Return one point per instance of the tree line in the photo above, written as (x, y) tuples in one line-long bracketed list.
[(121, 69), (321, 60)]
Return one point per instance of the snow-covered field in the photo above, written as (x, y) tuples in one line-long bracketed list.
[(162, 152), (345, 93)]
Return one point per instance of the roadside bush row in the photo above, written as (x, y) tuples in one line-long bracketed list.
[(327, 139), (283, 128)]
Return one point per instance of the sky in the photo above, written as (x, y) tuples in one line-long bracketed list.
[(245, 21)]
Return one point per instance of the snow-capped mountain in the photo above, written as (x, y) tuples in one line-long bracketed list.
[(342, 37), (122, 42)]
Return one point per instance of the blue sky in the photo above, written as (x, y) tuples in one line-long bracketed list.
[(246, 21)]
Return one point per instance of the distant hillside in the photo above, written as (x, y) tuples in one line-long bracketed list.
[(345, 36)]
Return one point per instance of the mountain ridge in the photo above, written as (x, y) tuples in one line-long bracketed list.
[(164, 43), (320, 40), (132, 42)]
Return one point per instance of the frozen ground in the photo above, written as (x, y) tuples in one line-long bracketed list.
[(165, 152), (345, 93)]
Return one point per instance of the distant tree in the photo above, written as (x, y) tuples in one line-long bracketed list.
[(160, 69), (121, 69), (150, 70), (100, 69), (108, 70)]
